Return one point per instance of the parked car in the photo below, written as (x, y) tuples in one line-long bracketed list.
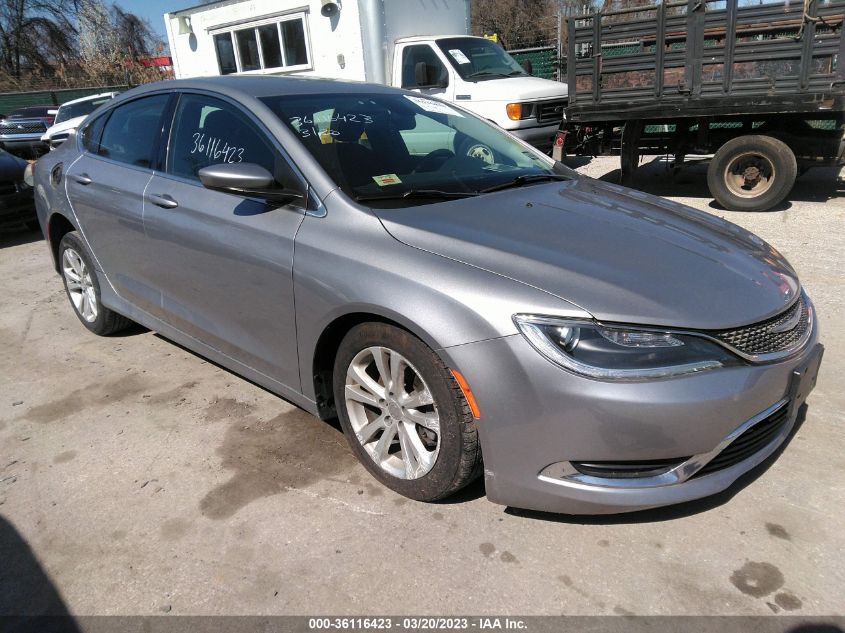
[(16, 201), (604, 349), (20, 132), (71, 114)]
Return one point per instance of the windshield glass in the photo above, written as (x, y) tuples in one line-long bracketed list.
[(73, 110), (386, 146), (478, 59)]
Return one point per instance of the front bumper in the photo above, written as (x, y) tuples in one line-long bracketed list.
[(537, 420), (540, 137), (26, 142)]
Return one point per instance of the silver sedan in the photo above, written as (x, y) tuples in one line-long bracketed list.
[(461, 302)]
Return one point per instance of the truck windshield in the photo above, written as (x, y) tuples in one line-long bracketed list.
[(394, 149), (477, 59)]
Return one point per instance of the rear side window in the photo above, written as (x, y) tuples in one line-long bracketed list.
[(132, 129), (208, 131)]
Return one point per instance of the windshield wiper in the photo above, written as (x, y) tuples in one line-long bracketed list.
[(419, 193), (519, 181), (485, 73)]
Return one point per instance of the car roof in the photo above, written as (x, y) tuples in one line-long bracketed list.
[(428, 38), (90, 98), (262, 86), (34, 108)]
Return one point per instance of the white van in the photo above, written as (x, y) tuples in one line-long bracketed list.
[(395, 42)]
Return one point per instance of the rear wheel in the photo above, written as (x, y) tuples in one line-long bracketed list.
[(752, 173), (83, 288), (403, 414)]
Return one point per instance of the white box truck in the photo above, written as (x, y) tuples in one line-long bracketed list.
[(420, 45)]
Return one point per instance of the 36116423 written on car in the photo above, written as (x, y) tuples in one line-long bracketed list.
[(585, 347)]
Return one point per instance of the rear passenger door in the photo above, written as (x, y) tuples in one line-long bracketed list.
[(224, 262), (106, 186)]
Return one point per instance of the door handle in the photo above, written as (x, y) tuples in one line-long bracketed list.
[(162, 200), (82, 179)]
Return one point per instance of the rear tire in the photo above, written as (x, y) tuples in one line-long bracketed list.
[(404, 414), (752, 173), (83, 288)]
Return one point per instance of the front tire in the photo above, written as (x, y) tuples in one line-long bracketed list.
[(752, 173), (403, 414), (83, 288)]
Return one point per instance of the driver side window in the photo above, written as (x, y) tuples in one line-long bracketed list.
[(412, 55)]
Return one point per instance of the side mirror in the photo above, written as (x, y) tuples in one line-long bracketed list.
[(246, 179), (528, 67), (422, 74)]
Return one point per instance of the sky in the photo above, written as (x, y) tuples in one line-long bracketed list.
[(152, 10)]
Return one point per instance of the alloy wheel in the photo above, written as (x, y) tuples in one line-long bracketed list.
[(80, 285), (392, 412)]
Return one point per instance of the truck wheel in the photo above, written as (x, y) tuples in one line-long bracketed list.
[(475, 149), (752, 173)]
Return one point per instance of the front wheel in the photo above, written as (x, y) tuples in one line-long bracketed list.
[(752, 173), (404, 414)]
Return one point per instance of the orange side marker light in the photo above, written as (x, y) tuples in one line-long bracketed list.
[(462, 383)]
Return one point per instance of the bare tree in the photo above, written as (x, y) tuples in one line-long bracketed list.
[(517, 23), (36, 36), (113, 44)]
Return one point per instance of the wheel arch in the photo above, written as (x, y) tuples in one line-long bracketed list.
[(325, 350), (58, 225)]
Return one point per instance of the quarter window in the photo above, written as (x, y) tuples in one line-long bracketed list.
[(278, 44), (209, 131), (132, 129)]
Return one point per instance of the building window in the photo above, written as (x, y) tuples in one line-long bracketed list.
[(225, 53), (279, 43)]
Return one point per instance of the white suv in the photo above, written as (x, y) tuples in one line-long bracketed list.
[(71, 114)]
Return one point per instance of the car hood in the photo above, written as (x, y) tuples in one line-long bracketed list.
[(619, 254)]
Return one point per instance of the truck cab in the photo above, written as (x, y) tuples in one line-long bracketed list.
[(479, 75)]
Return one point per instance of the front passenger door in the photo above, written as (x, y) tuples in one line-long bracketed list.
[(224, 262)]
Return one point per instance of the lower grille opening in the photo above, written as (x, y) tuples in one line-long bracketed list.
[(628, 470), (753, 440)]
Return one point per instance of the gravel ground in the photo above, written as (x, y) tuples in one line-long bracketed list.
[(137, 478)]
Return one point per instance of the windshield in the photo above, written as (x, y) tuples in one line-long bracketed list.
[(73, 110), (403, 149), (478, 59)]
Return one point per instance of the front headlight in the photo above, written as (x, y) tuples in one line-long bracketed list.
[(620, 353), (29, 174), (519, 111)]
